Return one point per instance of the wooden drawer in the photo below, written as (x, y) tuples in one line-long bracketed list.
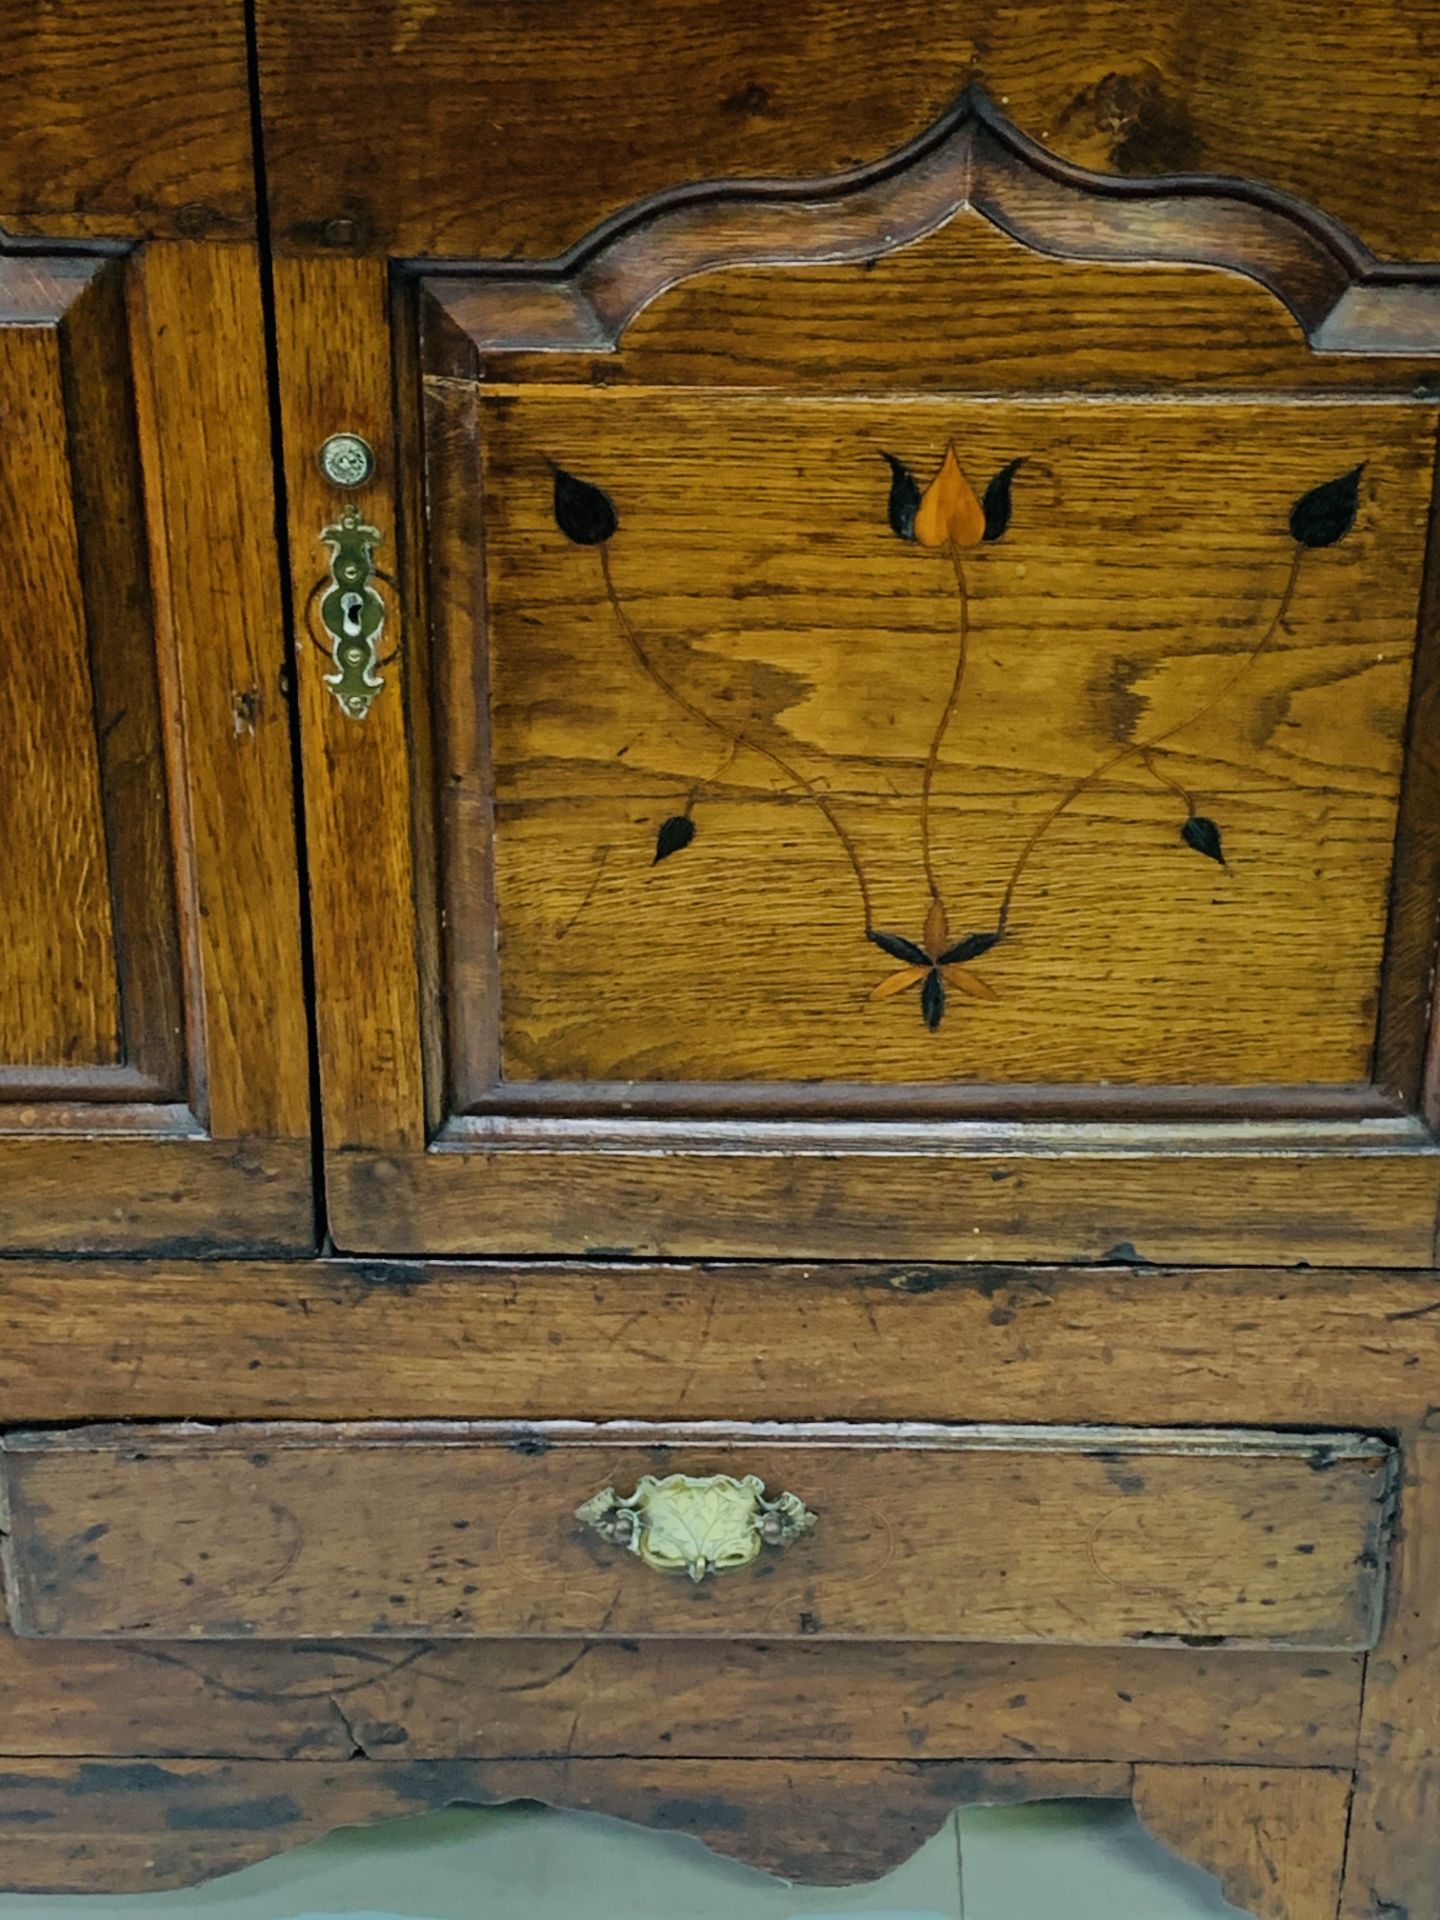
[(1088, 1536)]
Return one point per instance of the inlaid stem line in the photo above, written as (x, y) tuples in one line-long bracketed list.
[(1141, 748), (932, 760), (735, 735)]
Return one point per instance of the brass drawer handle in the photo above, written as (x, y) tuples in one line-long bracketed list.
[(697, 1526)]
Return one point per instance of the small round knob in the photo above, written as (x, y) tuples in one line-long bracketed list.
[(346, 460)]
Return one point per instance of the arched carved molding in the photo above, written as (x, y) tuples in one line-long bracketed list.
[(973, 160), (1273, 1838)]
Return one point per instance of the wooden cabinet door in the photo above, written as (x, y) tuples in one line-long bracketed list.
[(897, 718), (152, 1034), (153, 1049)]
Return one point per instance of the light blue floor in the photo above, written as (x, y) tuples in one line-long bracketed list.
[(1073, 1861)]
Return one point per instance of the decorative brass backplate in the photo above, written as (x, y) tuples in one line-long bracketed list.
[(682, 1524), (352, 613)]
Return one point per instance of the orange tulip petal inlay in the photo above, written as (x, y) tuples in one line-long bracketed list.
[(964, 981), (897, 982), (949, 511)]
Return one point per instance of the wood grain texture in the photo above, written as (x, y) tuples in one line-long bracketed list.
[(442, 1700), (1143, 565), (138, 764), (160, 1096), (335, 376), (205, 431), (155, 1184), (239, 1532), (58, 1000), (83, 1826), (972, 160), (1275, 1840), (772, 715), (350, 1340), (1392, 1866), (92, 930), (500, 133), (128, 121), (1327, 1196), (1127, 327)]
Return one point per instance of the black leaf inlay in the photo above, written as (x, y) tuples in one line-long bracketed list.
[(583, 513), (932, 1000), (899, 948), (904, 499), (674, 836), (1204, 836), (1326, 513), (970, 948), (996, 504)]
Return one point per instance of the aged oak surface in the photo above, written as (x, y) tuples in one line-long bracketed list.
[(160, 1825), (1143, 565), (1393, 1865), (355, 1340), (1007, 1535), (153, 1079), (1091, 1537), (1183, 264), (673, 768), (1275, 1840), (433, 1700), (447, 131), (127, 121)]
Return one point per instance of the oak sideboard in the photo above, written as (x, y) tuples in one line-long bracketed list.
[(719, 1088)]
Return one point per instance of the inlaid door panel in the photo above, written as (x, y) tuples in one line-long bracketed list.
[(898, 724), (126, 1117)]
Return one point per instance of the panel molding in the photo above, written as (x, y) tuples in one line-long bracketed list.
[(972, 160)]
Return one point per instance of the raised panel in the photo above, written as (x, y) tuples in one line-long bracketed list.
[(91, 1000), (122, 1122), (58, 1000), (852, 727)]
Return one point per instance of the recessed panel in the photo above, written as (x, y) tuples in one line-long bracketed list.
[(59, 1001), (90, 997), (937, 741)]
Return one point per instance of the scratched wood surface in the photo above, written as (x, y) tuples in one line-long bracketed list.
[(1275, 1840), (445, 1700), (459, 132), (390, 1339), (140, 1826), (236, 1532), (1393, 1861), (754, 566)]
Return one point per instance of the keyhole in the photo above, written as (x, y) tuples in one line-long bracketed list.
[(351, 605)]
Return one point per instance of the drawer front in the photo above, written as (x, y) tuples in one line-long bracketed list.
[(1089, 1536)]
